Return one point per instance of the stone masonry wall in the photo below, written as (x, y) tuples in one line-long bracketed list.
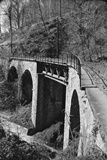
[(91, 133), (21, 66), (73, 84)]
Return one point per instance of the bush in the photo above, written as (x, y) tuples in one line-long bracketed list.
[(11, 148), (8, 96)]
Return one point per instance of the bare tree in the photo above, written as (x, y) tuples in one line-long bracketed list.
[(85, 26), (14, 10)]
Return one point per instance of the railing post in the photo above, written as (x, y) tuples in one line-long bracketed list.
[(76, 64), (62, 58), (80, 72), (67, 58), (40, 57), (51, 59), (45, 57), (58, 59), (71, 60)]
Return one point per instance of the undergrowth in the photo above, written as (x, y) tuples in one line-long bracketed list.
[(8, 93), (8, 96), (12, 148)]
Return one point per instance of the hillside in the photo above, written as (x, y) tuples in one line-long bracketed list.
[(82, 31)]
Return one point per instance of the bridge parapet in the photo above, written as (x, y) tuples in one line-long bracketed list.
[(56, 67)]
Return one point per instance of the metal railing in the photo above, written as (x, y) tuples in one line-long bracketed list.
[(69, 60)]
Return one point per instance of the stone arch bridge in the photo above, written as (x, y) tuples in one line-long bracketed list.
[(61, 86)]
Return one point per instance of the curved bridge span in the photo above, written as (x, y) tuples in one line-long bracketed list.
[(56, 86), (55, 67)]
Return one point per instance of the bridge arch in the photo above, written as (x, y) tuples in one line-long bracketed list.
[(74, 114), (26, 87), (12, 74)]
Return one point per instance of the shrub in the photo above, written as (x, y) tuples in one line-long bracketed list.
[(11, 148)]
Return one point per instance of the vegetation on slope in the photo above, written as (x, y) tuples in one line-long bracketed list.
[(42, 41), (82, 32), (12, 148), (22, 116), (8, 93)]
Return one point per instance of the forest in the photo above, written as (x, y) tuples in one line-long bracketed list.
[(73, 26)]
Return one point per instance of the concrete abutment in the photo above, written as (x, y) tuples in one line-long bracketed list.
[(73, 86), (27, 84)]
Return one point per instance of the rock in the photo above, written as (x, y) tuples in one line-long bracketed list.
[(31, 131)]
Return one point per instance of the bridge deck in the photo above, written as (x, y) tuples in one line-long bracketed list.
[(97, 99)]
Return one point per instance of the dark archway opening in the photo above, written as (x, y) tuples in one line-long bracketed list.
[(74, 116), (26, 88), (12, 74)]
